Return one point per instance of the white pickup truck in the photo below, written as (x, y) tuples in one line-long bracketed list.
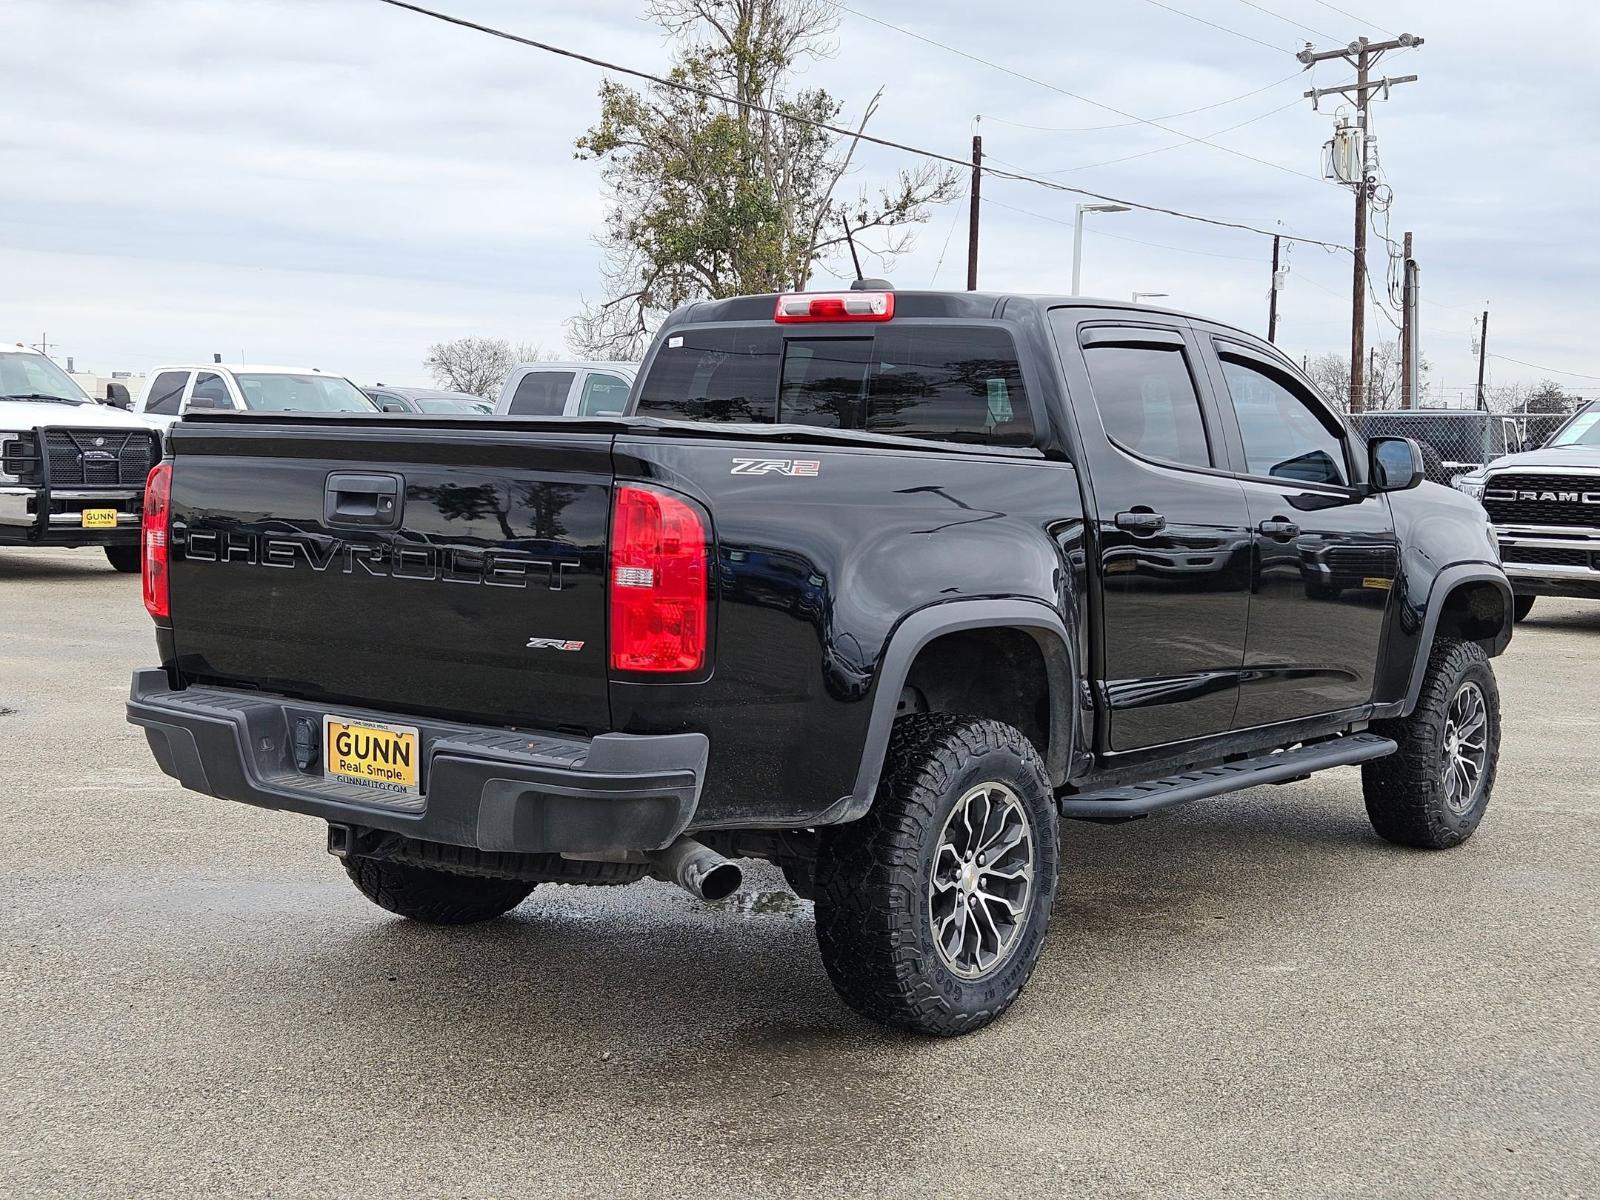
[(72, 472), (172, 391)]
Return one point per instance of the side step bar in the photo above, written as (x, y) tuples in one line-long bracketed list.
[(1138, 799)]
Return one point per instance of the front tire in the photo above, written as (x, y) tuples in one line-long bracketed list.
[(932, 909), (1521, 606), (1434, 790), (127, 559), (434, 897)]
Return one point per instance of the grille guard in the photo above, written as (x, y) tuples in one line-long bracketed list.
[(42, 478)]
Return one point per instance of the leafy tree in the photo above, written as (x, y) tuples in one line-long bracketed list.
[(1549, 397), (476, 365), (710, 198)]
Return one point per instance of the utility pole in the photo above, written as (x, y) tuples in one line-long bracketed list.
[(1410, 356), (972, 215), (1483, 353), (43, 344), (1363, 54), (1272, 296)]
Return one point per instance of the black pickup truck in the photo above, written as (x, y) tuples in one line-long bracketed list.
[(877, 586)]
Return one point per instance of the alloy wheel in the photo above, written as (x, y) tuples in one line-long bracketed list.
[(981, 884)]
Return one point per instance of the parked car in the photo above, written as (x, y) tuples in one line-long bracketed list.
[(876, 586), (171, 392), (428, 400), (72, 472), (1545, 505), (570, 389)]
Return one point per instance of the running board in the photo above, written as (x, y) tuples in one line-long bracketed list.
[(1138, 799)]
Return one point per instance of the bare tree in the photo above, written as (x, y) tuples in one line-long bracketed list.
[(711, 198), (476, 365), (1331, 374)]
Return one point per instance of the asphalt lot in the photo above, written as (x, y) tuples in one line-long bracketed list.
[(1251, 996)]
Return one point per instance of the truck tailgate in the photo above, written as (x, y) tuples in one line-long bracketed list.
[(407, 565)]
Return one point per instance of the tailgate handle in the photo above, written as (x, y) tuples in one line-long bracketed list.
[(362, 500)]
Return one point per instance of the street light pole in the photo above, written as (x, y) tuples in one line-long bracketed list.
[(1077, 238)]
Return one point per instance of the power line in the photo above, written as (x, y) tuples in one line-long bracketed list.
[(1116, 236), (1106, 162), (1214, 25), (1286, 20), (1353, 17), (1037, 82), (710, 94), (1188, 112), (1538, 367)]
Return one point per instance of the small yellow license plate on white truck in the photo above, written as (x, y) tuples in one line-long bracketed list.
[(379, 756), (98, 518)]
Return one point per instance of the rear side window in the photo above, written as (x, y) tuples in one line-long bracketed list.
[(166, 391), (940, 382), (1282, 434), (1148, 403), (541, 394)]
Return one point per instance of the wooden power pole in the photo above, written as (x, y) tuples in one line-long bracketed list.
[(1363, 54), (972, 215)]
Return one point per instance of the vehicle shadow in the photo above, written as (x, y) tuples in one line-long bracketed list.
[(21, 564)]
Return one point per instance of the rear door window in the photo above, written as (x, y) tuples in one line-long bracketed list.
[(941, 382), (541, 394), (166, 393), (1148, 402)]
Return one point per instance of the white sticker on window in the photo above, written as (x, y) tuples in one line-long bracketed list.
[(674, 343)]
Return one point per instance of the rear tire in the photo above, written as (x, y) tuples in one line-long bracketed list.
[(1521, 606), (127, 559), (1426, 794), (434, 897), (910, 898)]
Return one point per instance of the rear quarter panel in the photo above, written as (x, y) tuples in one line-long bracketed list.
[(813, 574)]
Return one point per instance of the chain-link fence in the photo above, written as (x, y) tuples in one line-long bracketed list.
[(1454, 441)]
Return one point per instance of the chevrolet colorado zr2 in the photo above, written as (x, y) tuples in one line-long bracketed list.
[(881, 587)]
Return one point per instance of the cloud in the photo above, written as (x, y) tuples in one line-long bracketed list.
[(339, 182)]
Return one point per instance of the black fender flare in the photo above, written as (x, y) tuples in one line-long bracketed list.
[(1445, 582), (915, 631)]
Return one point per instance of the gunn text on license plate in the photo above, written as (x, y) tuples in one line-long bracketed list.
[(383, 757), (98, 518)]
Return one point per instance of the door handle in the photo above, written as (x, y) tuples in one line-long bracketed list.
[(353, 500), (1279, 527), (1141, 521)]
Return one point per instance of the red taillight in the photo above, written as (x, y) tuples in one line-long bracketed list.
[(153, 532), (802, 307), (658, 582)]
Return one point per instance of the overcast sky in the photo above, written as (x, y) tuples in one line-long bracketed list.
[(339, 183)]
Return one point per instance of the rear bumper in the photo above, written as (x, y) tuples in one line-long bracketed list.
[(492, 789)]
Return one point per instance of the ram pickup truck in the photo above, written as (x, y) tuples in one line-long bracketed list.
[(878, 586), (72, 472), (1545, 505)]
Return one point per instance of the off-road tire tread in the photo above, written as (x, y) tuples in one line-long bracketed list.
[(1403, 790), (434, 897), (869, 871)]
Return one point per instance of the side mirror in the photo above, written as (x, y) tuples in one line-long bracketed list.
[(117, 396), (209, 402), (1394, 464)]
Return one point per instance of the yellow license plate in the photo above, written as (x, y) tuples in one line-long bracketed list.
[(384, 757), (99, 518)]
